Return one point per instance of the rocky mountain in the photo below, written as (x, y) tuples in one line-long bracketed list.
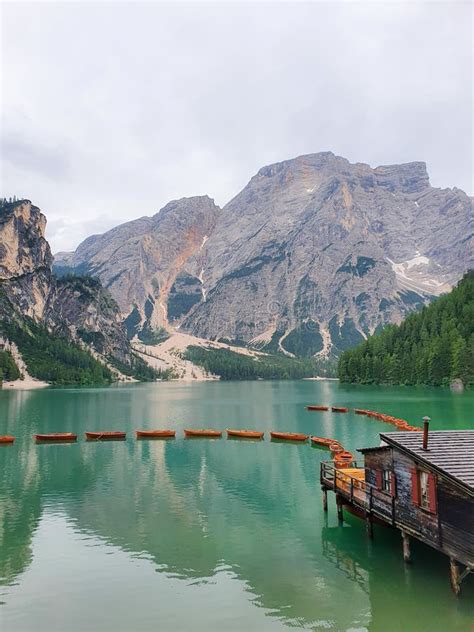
[(76, 307), (312, 256), (151, 265)]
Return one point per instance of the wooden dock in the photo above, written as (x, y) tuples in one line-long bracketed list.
[(422, 485)]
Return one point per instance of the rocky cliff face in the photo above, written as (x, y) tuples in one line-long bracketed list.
[(151, 265), (314, 254), (79, 307), (25, 258)]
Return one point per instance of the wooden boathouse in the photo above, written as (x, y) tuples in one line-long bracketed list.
[(419, 483)]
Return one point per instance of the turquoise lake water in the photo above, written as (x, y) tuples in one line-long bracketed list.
[(202, 534)]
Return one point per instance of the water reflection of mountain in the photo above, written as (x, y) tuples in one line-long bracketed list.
[(193, 511), (189, 506)]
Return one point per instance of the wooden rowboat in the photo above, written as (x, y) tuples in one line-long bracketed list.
[(401, 424), (344, 456), (339, 409), (314, 407), (360, 411), (105, 435), (245, 434), (322, 441), (289, 436), (343, 459), (56, 436), (189, 432), (7, 439), (156, 434)]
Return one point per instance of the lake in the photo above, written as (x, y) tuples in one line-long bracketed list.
[(203, 534)]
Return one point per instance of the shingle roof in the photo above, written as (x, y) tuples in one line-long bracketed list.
[(450, 452)]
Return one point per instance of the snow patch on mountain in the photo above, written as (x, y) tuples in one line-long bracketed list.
[(417, 275)]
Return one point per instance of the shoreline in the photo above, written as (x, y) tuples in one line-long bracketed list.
[(28, 384)]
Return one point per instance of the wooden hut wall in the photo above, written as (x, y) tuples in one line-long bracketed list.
[(456, 515)]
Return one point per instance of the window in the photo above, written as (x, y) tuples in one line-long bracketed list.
[(423, 490), (387, 481)]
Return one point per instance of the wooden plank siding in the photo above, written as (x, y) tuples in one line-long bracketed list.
[(450, 452), (450, 528), (407, 514), (456, 516)]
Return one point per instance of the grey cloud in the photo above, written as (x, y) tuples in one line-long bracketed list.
[(26, 156), (122, 107)]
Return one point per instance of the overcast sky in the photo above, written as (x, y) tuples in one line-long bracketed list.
[(110, 110)]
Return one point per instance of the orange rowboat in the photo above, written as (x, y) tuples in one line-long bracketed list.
[(289, 436), (343, 459), (156, 434), (245, 434), (336, 448), (339, 409), (105, 436), (401, 424), (322, 441), (317, 407), (7, 439), (360, 411), (56, 436), (188, 432)]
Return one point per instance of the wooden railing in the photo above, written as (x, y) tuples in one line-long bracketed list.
[(360, 493)]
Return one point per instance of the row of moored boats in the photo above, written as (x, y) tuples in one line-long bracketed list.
[(161, 434), (401, 424), (342, 458)]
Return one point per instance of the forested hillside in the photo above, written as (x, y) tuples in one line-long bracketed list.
[(53, 358), (229, 365), (8, 368), (431, 347)]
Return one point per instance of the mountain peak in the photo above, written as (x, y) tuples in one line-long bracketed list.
[(410, 177)]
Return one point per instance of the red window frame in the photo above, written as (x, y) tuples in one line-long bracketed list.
[(385, 480), (424, 490)]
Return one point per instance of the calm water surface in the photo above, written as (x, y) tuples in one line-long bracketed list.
[(206, 535)]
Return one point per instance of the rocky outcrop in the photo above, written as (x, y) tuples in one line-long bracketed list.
[(312, 256), (23, 247), (91, 314), (25, 257), (79, 307), (151, 263)]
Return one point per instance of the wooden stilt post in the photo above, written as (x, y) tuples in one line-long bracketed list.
[(325, 499), (369, 525), (455, 576), (406, 547), (340, 517)]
